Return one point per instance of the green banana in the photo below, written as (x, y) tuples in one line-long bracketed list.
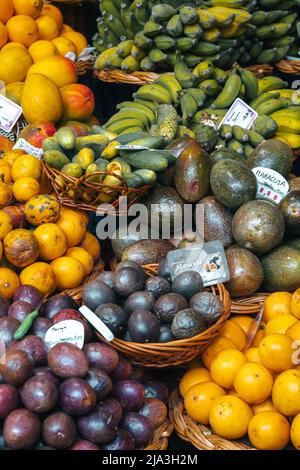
[(230, 92), (126, 113), (220, 76), (275, 15), (204, 70), (124, 48), (191, 60), (142, 41), (157, 56), (130, 64), (147, 103), (204, 48), (235, 145), (124, 125), (162, 12), (164, 43), (210, 87), (271, 106), (184, 44), (139, 54), (188, 106), (108, 7), (188, 14), (256, 49), (147, 65), (240, 134), (262, 98), (248, 149), (206, 19), (198, 95), (254, 138), (193, 31), (171, 84), (175, 26), (249, 81), (183, 74), (259, 17), (151, 29), (116, 26), (226, 132), (265, 32), (280, 42), (142, 12), (154, 92), (281, 52)]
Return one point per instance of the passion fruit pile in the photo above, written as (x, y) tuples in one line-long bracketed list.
[(66, 397), (145, 309)]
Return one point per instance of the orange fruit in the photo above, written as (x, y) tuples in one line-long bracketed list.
[(230, 416), (6, 10), (73, 226), (27, 165), (78, 39), (6, 195), (243, 321), (23, 29), (83, 214), (3, 35), (10, 45), (295, 304), (276, 352), (286, 392), (51, 240), (64, 45), (83, 256), (264, 406), (48, 28), (5, 224), (42, 49), (235, 333), (69, 272), (25, 188), (252, 355), (14, 64), (66, 29), (31, 8), (278, 303), (253, 382), (269, 430), (1, 250), (20, 247), (55, 13), (193, 377), (279, 324), (42, 209), (9, 282), (293, 331), (217, 345), (91, 244), (295, 432), (224, 366), (5, 172), (11, 156), (41, 276), (198, 400)]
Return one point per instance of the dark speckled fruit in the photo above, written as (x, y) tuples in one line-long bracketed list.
[(233, 183), (217, 221), (282, 269), (290, 209), (258, 226)]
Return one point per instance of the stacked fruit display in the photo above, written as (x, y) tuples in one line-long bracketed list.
[(43, 244), (154, 309), (154, 35), (63, 397), (254, 389)]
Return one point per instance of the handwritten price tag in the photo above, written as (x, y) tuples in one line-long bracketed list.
[(9, 113), (271, 185), (67, 331), (240, 114)]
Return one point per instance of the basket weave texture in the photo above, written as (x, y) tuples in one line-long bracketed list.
[(289, 66), (198, 435)]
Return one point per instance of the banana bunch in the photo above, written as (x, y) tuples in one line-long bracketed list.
[(150, 35)]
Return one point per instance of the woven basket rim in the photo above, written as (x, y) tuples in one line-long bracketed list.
[(289, 66), (200, 436), (141, 78), (161, 436)]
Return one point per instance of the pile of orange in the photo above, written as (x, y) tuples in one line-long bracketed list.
[(242, 389), (41, 243)]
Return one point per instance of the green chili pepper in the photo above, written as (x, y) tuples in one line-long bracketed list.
[(26, 325)]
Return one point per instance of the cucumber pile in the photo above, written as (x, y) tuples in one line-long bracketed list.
[(149, 35)]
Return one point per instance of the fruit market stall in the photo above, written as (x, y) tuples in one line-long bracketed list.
[(125, 341)]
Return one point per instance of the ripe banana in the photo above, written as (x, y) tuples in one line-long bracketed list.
[(270, 83), (204, 70), (293, 140), (230, 92)]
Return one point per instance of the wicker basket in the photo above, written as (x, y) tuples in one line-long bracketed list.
[(142, 78), (161, 437), (248, 305), (84, 67), (175, 353), (99, 193), (289, 66), (197, 434)]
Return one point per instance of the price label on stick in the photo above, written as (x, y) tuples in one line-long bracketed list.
[(9, 113), (67, 331), (98, 324), (240, 114)]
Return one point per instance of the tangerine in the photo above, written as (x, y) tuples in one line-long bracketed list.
[(25, 188), (199, 399), (69, 272), (264, 406), (26, 165), (286, 392), (73, 226), (39, 275), (269, 430), (51, 240), (278, 303), (224, 366), (295, 432), (23, 29), (6, 224), (83, 256), (193, 377), (295, 304), (234, 332), (9, 282), (279, 324), (217, 345), (91, 244), (230, 416), (276, 352), (253, 383)]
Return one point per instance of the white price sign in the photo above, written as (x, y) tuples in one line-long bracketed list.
[(271, 185), (67, 331), (22, 144), (240, 114), (9, 113)]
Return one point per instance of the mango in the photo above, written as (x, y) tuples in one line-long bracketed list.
[(60, 69), (72, 169), (41, 99), (79, 102)]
